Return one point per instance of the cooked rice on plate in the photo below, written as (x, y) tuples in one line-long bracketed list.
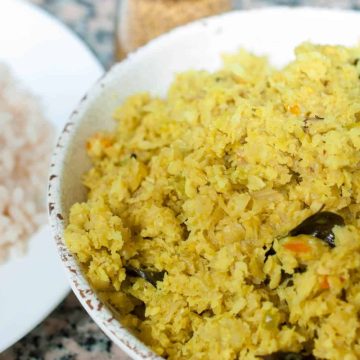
[(222, 222), (26, 139)]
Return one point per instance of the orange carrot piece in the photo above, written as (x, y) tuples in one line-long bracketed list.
[(324, 283), (297, 246)]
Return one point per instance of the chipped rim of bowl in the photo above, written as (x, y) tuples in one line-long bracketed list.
[(79, 284)]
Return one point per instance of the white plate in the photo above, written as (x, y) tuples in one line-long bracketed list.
[(55, 65)]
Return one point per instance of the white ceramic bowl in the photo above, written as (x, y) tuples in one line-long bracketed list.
[(272, 31)]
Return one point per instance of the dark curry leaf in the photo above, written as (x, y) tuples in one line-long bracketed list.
[(270, 252), (139, 311), (149, 275), (319, 225), (284, 355)]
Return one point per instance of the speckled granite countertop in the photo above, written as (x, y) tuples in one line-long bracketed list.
[(69, 333)]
